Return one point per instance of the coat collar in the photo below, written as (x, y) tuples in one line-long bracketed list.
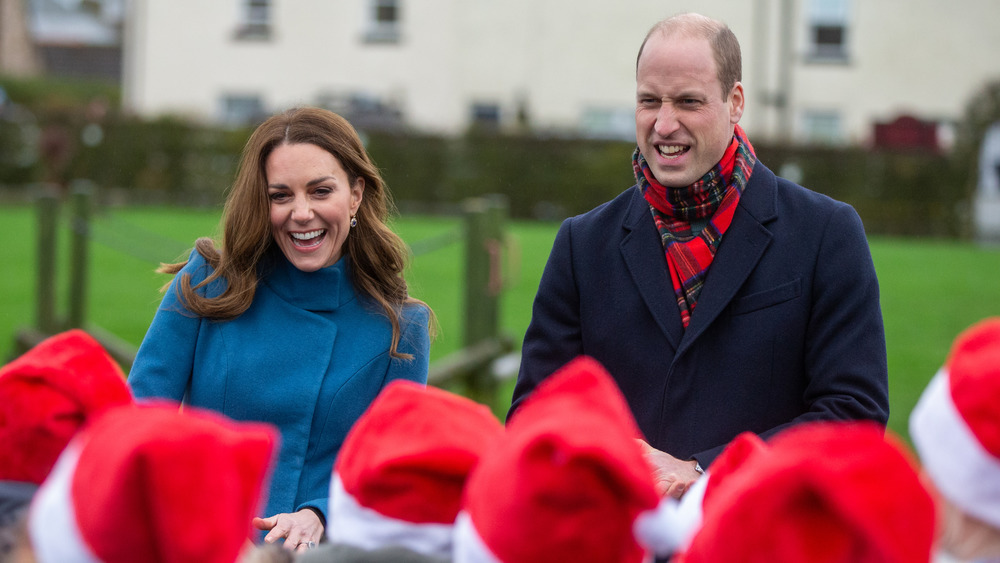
[(741, 249), (326, 289)]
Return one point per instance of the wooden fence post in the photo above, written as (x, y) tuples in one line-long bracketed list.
[(48, 221), (82, 193), (484, 228), (47, 323)]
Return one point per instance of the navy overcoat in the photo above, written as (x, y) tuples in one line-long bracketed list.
[(788, 327)]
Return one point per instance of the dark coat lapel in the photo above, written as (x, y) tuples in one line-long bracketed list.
[(643, 254), (742, 247)]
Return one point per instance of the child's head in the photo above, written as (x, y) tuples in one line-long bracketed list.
[(955, 428)]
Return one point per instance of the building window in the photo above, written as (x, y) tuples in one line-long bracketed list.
[(238, 110), (485, 116), (822, 127), (256, 20), (365, 111), (828, 29), (384, 21), (608, 123)]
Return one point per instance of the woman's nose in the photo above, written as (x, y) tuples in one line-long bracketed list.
[(302, 211)]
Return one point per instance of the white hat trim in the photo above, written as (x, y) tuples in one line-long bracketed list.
[(469, 545), (360, 526), (962, 469), (669, 528), (52, 527)]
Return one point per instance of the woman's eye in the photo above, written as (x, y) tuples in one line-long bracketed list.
[(323, 191), (277, 196)]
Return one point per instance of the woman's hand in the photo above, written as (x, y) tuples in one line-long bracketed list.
[(301, 530)]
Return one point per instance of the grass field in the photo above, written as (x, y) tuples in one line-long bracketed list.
[(931, 290)]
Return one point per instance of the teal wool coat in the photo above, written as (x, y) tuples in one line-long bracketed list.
[(308, 356)]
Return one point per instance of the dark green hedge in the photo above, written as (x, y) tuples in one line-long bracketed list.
[(908, 193), (172, 160), (896, 193)]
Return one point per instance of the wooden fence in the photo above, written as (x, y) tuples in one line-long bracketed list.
[(483, 342)]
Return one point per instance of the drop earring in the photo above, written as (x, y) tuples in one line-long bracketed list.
[(354, 221)]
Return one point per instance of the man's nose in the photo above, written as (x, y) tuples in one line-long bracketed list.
[(666, 120)]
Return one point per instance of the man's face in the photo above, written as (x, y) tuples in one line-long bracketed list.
[(682, 122)]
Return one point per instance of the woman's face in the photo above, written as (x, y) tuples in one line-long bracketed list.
[(312, 201)]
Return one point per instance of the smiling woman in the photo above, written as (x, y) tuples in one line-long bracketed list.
[(300, 317), (313, 203)]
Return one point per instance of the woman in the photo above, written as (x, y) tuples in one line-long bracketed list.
[(300, 318)]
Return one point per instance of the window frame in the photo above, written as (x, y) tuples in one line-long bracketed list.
[(255, 23), (380, 30), (826, 18)]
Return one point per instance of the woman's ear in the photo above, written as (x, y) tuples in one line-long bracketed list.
[(357, 194)]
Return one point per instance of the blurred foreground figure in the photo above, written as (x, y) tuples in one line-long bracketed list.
[(823, 492), (398, 482), (46, 396), (567, 482), (150, 483), (955, 428)]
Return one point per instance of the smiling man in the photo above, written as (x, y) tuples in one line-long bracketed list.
[(722, 298)]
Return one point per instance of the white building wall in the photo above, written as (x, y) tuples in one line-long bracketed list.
[(182, 58), (566, 58), (568, 63), (925, 58)]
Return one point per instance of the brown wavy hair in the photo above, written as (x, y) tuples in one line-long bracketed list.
[(377, 254)]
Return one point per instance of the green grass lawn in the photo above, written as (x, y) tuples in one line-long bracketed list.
[(931, 290)]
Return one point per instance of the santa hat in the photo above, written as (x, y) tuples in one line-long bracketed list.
[(151, 483), (822, 492), (399, 476), (669, 528), (567, 482), (47, 394), (955, 426)]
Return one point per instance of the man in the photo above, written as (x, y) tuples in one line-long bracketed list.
[(721, 298)]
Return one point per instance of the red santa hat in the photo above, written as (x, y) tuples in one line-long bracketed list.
[(823, 492), (955, 425), (47, 394), (399, 476), (566, 484), (151, 483), (669, 528), (737, 454)]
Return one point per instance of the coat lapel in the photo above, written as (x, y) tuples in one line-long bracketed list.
[(742, 247), (643, 254)]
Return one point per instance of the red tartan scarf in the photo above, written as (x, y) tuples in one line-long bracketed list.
[(713, 197)]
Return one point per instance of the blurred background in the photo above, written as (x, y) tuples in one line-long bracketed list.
[(883, 103), (890, 105)]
